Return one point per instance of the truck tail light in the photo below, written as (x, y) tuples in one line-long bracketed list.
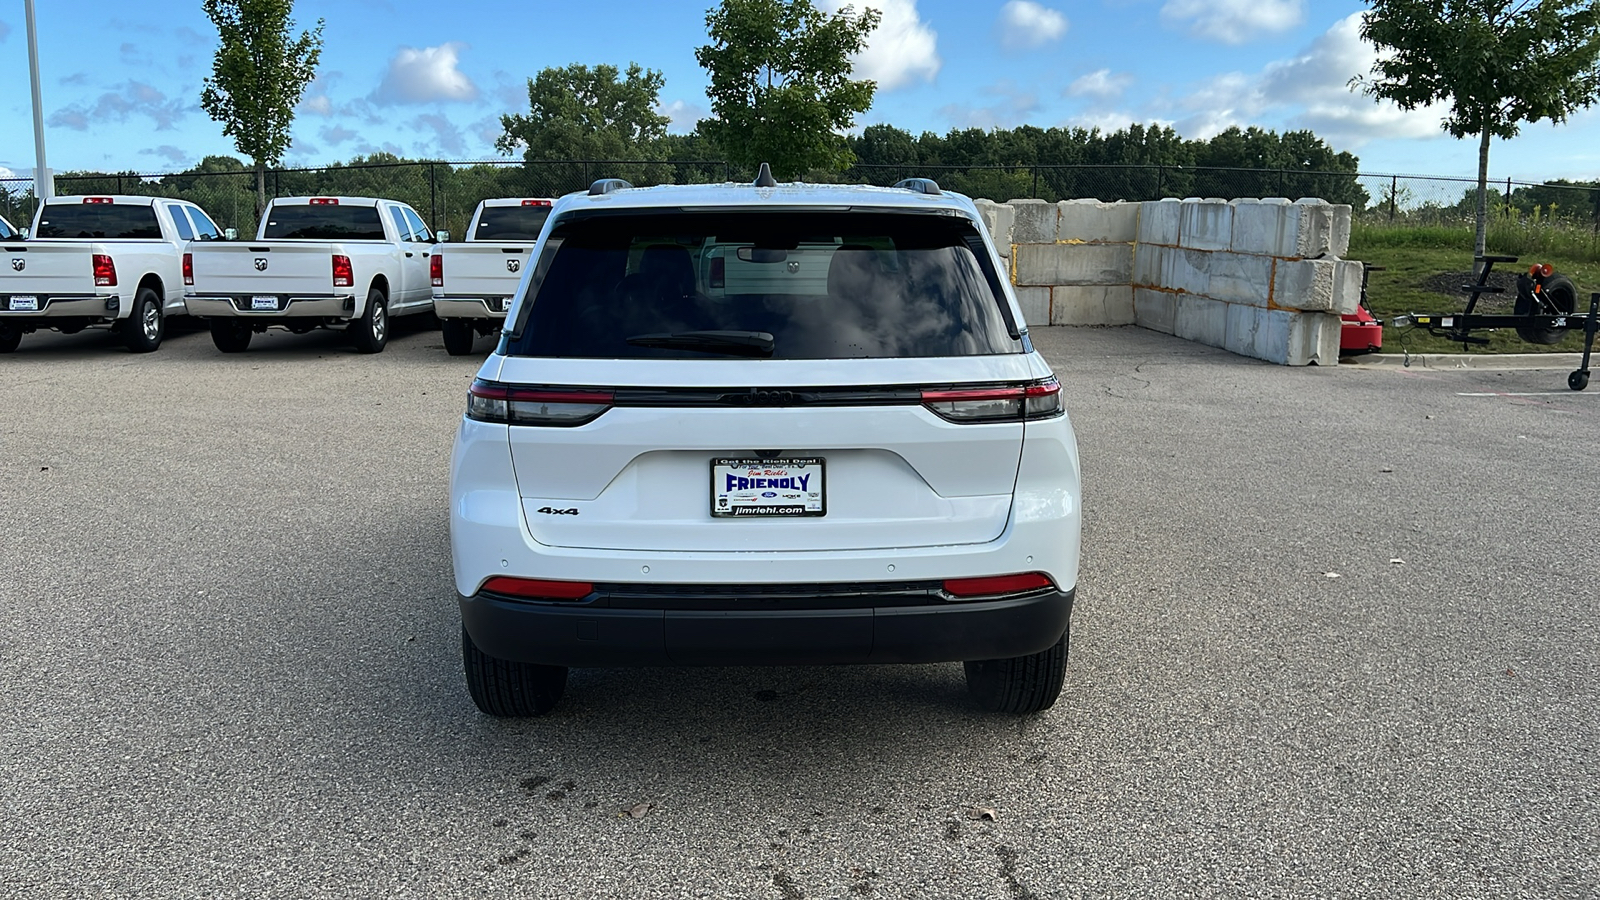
[(559, 407), (538, 588), (997, 586), (324, 201), (1009, 403), (105, 271), (436, 270), (343, 275), (188, 268)]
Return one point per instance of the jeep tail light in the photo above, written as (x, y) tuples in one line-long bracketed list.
[(343, 275), (188, 268), (559, 407), (538, 588), (997, 586), (536, 203), (105, 271), (436, 269), (1006, 403), (324, 201)]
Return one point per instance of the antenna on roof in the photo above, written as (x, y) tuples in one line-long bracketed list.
[(764, 177)]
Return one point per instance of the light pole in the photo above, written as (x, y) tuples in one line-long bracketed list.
[(44, 184)]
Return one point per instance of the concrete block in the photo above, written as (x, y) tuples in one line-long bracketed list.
[(1339, 240), (1244, 324), (1035, 303), (1159, 221), (1202, 320), (1053, 264), (1346, 286), (1035, 222), (1258, 226), (1148, 260), (1095, 222), (1172, 269), (1096, 304), (998, 218), (1308, 284), (1206, 225), (1285, 337), (1155, 310), (1313, 338), (1238, 277)]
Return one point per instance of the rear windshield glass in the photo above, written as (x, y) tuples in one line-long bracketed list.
[(325, 223), (510, 223), (823, 285), (98, 220)]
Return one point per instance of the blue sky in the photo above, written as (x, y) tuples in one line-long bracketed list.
[(121, 80)]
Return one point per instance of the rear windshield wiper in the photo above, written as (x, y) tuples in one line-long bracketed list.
[(735, 343)]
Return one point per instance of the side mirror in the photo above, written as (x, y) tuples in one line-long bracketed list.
[(230, 234), (442, 236), (23, 233)]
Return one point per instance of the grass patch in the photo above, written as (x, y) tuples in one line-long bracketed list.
[(1417, 255)]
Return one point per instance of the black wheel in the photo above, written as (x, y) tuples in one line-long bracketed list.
[(10, 337), (1578, 380), (145, 325), (1558, 292), (370, 332), (510, 689), (458, 336), (1022, 684), (230, 336)]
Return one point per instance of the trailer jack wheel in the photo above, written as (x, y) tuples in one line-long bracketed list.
[(1578, 380)]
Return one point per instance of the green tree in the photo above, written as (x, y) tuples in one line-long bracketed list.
[(577, 113), (1493, 64), (781, 90), (258, 75)]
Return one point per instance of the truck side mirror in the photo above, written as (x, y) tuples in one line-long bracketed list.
[(230, 234), (442, 236), (23, 233)]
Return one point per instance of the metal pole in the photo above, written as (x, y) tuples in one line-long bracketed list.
[(44, 185), (1394, 189)]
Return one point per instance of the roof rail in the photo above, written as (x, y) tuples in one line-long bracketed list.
[(764, 177), (920, 185), (607, 185)]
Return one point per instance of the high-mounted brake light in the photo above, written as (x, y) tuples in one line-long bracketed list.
[(997, 586), (105, 271), (188, 268), (324, 201), (1006, 403), (559, 407), (536, 203), (343, 274), (97, 199), (436, 270), (538, 589)]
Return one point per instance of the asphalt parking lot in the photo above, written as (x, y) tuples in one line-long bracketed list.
[(230, 661)]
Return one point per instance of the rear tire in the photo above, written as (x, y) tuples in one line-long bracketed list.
[(1022, 684), (144, 327), (1560, 293), (370, 333), (10, 337), (508, 689), (230, 336), (459, 336)]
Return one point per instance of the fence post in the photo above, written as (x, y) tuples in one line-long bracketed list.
[(1508, 197), (433, 200), (1394, 190)]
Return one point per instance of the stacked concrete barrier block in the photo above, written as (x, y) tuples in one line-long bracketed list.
[(1072, 262), (998, 218)]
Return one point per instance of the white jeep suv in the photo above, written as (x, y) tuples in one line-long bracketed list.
[(785, 424)]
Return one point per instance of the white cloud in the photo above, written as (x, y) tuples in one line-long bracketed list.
[(426, 75), (175, 156), (1011, 107), (1025, 25), (902, 50), (684, 115), (5, 172), (133, 98), (316, 100), (1234, 21), (1101, 84), (337, 134), (444, 134)]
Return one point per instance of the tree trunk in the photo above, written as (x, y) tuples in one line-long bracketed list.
[(1481, 242), (261, 196)]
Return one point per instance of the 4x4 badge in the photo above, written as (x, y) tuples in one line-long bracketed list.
[(261, 264), (19, 264)]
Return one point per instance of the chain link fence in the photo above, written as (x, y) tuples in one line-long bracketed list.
[(447, 192)]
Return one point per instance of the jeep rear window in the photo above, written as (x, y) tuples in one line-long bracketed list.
[(824, 285), (107, 221), (325, 223), (510, 223)]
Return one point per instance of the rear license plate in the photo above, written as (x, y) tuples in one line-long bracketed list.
[(264, 303), (24, 303), (742, 487)]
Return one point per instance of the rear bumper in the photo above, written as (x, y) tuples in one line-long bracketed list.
[(597, 633), (100, 306), (470, 307), (340, 306)]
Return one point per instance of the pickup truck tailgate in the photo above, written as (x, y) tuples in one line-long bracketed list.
[(484, 269), (47, 269), (285, 268)]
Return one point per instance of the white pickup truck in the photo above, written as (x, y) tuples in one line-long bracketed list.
[(316, 262), (119, 262), (473, 287)]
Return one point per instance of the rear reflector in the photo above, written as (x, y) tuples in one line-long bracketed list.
[(343, 274), (558, 407), (436, 270), (105, 271), (536, 589), (97, 199), (188, 268), (324, 201), (536, 203), (997, 586)]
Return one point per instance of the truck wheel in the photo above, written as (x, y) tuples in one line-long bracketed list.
[(10, 337), (370, 332), (144, 327), (230, 336), (458, 336), (1022, 684), (510, 689), (1558, 290)]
